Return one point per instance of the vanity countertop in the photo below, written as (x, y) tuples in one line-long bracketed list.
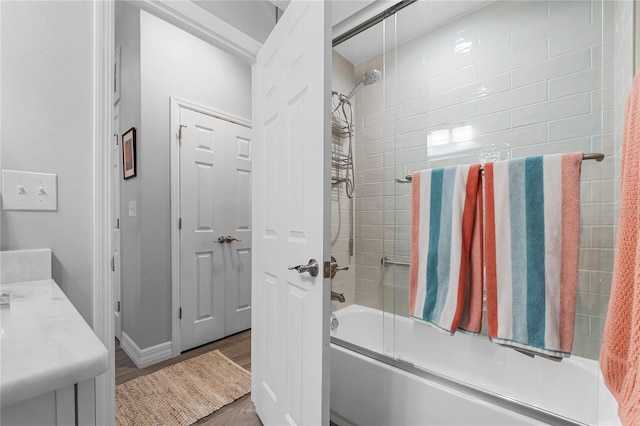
[(45, 344)]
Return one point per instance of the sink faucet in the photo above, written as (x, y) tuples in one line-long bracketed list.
[(337, 296)]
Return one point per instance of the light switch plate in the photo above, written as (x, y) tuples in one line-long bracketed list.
[(132, 209), (29, 191)]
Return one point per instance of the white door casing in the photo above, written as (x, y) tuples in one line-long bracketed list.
[(220, 34), (214, 202), (116, 278), (291, 116)]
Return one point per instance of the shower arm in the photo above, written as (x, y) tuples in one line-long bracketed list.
[(355, 89)]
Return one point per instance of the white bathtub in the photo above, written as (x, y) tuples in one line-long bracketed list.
[(365, 391)]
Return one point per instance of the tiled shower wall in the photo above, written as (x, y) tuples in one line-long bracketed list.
[(512, 79), (341, 206), (623, 72)]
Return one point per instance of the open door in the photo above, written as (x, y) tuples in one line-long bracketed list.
[(291, 219)]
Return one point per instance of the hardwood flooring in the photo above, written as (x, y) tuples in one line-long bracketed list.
[(237, 348)]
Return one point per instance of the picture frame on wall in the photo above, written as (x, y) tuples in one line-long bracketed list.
[(116, 75), (129, 153)]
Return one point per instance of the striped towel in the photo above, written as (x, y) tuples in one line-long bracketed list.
[(532, 246), (444, 226)]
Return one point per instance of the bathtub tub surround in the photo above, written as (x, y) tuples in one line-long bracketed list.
[(46, 348), (444, 229), (432, 378), (620, 354), (532, 238)]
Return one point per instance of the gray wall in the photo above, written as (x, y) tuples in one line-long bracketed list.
[(46, 126), (127, 37), (172, 63), (254, 18)]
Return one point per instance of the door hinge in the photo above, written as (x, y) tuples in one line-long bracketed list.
[(180, 223), (113, 263), (180, 313), (118, 223), (180, 132), (118, 306)]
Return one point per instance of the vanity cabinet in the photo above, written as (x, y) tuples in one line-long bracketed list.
[(54, 408), (49, 356)]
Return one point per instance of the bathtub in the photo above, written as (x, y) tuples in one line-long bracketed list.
[(436, 379)]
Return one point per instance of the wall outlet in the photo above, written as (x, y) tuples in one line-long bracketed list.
[(29, 191)]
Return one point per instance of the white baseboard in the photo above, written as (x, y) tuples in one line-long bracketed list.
[(145, 357)]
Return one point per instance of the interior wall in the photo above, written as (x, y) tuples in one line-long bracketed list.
[(254, 18), (127, 37), (341, 205), (172, 63), (47, 126), (525, 78)]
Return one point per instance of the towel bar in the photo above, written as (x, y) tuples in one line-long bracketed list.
[(591, 156), (385, 261)]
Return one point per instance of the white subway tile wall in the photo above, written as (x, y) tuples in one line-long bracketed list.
[(515, 78), (342, 210)]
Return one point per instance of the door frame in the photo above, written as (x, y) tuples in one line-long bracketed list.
[(174, 122), (116, 188), (103, 320), (188, 17)]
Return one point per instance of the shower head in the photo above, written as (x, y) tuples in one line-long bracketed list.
[(371, 76)]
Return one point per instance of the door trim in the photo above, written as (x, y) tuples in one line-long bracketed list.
[(174, 122), (103, 46), (116, 190), (103, 321)]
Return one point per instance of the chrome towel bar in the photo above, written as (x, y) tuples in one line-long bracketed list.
[(591, 156), (385, 261)]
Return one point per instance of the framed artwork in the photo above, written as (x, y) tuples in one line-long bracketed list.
[(129, 153), (116, 75)]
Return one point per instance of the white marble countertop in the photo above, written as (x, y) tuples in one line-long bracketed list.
[(45, 344)]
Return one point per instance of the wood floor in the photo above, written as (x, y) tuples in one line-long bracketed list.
[(237, 348)]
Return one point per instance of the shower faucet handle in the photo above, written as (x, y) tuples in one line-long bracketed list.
[(335, 268)]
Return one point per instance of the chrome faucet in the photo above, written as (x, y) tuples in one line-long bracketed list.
[(337, 296)]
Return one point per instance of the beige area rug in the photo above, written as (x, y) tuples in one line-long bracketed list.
[(181, 393)]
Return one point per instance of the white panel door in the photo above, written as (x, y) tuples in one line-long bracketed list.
[(291, 112), (215, 203), (116, 279), (237, 256), (201, 255)]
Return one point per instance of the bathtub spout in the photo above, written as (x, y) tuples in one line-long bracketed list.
[(337, 296)]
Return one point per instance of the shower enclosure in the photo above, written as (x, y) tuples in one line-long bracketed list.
[(470, 82)]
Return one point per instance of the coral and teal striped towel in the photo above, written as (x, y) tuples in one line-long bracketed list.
[(445, 284), (532, 236)]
